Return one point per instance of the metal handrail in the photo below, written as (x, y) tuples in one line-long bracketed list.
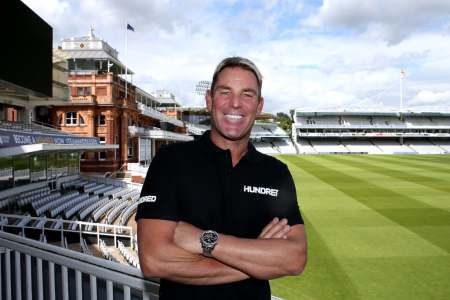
[(115, 274)]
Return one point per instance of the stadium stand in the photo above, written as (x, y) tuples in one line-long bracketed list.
[(41, 186), (372, 132), (102, 210), (270, 139), (393, 147), (115, 211), (425, 147), (361, 146), (130, 257), (106, 252), (127, 212)]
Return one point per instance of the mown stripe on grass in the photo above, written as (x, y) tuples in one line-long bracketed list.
[(441, 161), (426, 181), (385, 202), (408, 163), (438, 159), (322, 267)]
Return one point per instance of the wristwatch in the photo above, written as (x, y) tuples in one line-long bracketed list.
[(208, 240)]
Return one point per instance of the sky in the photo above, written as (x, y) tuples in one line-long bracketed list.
[(330, 54)]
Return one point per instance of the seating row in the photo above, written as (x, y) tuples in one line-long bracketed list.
[(129, 257)]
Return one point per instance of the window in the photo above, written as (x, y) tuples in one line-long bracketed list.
[(102, 154), (101, 119), (83, 91), (100, 91), (130, 149), (71, 118), (81, 120)]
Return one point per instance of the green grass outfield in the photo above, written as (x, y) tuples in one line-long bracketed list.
[(378, 227)]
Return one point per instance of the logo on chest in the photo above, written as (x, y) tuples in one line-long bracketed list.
[(261, 190), (149, 198)]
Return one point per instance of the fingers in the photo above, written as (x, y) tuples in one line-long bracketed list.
[(282, 234), (276, 228), (268, 227)]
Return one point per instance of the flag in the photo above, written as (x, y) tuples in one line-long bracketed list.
[(129, 27)]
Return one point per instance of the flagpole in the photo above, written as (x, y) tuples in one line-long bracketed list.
[(126, 61)]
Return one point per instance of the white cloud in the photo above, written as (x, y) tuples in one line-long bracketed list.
[(392, 20), (49, 10), (426, 98)]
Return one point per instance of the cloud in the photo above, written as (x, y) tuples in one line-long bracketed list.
[(428, 98), (391, 20)]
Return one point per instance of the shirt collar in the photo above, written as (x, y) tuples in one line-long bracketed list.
[(207, 144)]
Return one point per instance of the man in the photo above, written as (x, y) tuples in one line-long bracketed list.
[(218, 219)]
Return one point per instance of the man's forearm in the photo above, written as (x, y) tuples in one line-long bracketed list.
[(176, 264), (262, 258), (207, 272)]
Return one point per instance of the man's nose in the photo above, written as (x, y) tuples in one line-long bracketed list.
[(236, 100)]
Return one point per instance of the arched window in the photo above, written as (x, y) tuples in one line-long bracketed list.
[(81, 119), (71, 118)]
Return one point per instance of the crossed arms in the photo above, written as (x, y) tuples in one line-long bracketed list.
[(172, 250)]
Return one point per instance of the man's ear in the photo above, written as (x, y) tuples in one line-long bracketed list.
[(260, 106), (208, 98)]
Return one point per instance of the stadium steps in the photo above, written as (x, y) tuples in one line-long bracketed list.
[(345, 146), (378, 147), (311, 145), (443, 149)]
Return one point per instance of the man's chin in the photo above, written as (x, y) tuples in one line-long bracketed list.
[(235, 136)]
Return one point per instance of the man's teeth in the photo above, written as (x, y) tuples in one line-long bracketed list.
[(234, 117)]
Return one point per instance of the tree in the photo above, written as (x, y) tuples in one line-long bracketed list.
[(284, 121)]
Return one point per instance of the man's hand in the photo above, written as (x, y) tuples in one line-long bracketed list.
[(160, 257), (187, 236), (276, 229), (279, 250)]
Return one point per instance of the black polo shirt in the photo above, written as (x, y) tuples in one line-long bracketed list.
[(196, 182)]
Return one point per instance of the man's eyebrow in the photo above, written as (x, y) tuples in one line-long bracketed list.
[(224, 87)]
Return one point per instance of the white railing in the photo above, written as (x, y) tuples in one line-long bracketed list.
[(33, 267), (64, 226), (158, 134), (158, 115), (114, 182), (137, 168), (373, 134), (196, 129)]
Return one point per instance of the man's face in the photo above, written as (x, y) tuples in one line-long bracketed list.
[(234, 104)]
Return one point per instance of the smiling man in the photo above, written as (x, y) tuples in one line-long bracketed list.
[(223, 218)]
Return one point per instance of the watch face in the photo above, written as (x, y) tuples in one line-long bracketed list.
[(210, 237)]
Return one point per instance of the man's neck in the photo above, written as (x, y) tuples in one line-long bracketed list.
[(237, 148)]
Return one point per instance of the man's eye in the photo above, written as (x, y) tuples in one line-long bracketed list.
[(224, 92), (249, 95)]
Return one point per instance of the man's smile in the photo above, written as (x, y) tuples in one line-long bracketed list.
[(233, 117)]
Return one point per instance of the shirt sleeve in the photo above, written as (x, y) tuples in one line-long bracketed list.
[(158, 196), (287, 206)]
